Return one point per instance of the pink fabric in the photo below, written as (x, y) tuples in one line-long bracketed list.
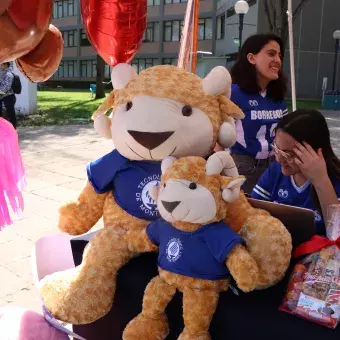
[(12, 173), (22, 324)]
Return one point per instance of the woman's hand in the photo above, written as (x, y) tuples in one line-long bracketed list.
[(311, 163)]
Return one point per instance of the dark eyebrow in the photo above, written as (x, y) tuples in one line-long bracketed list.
[(271, 50)]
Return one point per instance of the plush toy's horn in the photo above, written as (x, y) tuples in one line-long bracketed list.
[(221, 162)]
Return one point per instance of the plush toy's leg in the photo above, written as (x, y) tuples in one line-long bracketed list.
[(85, 294), (270, 245), (151, 323), (78, 217), (199, 307)]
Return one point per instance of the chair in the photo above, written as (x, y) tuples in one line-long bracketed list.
[(93, 88)]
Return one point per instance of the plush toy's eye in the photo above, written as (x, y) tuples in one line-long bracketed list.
[(192, 186), (164, 185), (187, 110), (128, 106)]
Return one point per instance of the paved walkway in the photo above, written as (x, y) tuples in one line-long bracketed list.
[(55, 159)]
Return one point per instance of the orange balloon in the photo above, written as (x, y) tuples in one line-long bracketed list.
[(40, 64), (23, 26), (4, 4)]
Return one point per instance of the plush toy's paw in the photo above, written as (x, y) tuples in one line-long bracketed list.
[(270, 244), (185, 335), (71, 297), (144, 328)]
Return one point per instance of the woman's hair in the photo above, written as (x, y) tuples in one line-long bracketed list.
[(244, 73), (310, 126)]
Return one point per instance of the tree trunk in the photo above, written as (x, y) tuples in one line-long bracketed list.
[(277, 19), (100, 91)]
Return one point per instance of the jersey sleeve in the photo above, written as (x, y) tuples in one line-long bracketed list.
[(264, 187), (152, 230), (102, 171), (221, 240), (235, 94)]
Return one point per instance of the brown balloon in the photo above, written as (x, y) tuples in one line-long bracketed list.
[(40, 64), (23, 26), (4, 4)]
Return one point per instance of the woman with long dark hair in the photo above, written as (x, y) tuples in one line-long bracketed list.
[(307, 172), (258, 88)]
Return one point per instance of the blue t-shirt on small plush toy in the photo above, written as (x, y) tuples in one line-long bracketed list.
[(129, 182), (201, 253)]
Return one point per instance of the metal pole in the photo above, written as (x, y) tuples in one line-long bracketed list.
[(240, 27), (291, 53), (335, 62)]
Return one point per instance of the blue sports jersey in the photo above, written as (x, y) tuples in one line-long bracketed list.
[(200, 254), (274, 186), (129, 181), (255, 132)]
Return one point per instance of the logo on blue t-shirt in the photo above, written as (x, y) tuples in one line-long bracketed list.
[(174, 250), (283, 193), (147, 204)]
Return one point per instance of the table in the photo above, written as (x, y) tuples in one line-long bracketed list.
[(248, 316)]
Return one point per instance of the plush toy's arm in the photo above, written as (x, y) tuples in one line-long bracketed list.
[(243, 268), (139, 241), (78, 217)]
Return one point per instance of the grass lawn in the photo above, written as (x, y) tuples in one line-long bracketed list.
[(60, 107), (66, 106)]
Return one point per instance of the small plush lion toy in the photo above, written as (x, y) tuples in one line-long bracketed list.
[(197, 250)]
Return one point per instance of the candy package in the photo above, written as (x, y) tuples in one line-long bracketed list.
[(314, 286)]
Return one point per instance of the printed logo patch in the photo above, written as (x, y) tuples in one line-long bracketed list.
[(283, 193), (174, 250), (147, 204)]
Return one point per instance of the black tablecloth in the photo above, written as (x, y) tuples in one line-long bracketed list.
[(248, 316)]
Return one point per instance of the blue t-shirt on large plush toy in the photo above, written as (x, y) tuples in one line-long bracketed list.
[(200, 254), (129, 181)]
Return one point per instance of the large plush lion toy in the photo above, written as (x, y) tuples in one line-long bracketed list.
[(163, 111)]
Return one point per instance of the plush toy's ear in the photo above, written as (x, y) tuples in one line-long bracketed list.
[(217, 81), (231, 188), (166, 163), (121, 74)]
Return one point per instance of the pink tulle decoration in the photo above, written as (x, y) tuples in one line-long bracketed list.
[(12, 173)]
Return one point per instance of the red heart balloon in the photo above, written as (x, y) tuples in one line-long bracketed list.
[(41, 63), (23, 26), (115, 27)]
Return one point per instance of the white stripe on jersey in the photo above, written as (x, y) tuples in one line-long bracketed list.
[(284, 112), (240, 133), (261, 189), (262, 192)]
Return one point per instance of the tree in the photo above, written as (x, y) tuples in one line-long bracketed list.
[(100, 90), (277, 19)]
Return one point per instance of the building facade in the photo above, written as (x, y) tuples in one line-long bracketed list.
[(218, 34)]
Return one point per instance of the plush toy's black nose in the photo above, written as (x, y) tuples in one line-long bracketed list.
[(150, 140), (170, 206)]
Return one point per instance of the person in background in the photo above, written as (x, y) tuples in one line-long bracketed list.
[(307, 172), (7, 97), (258, 88)]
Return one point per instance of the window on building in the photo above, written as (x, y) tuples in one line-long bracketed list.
[(154, 2), (65, 8), (220, 29), (205, 29), (66, 69), (140, 64), (84, 41), (88, 68), (151, 33), (170, 61), (167, 2), (69, 38), (173, 30)]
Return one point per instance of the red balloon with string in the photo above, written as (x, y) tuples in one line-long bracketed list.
[(115, 28)]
